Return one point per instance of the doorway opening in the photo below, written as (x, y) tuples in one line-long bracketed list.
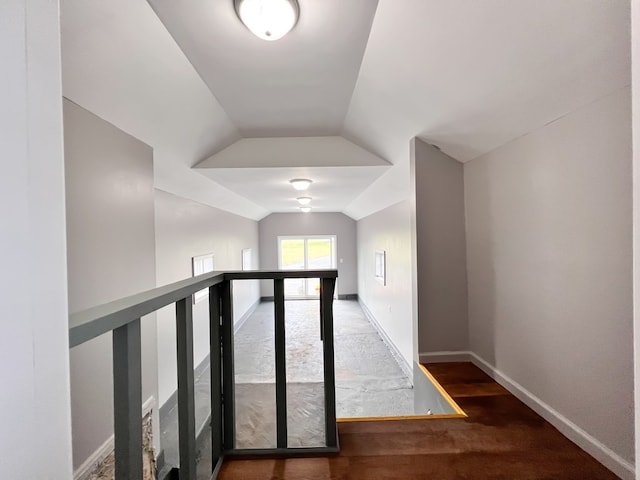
[(311, 252)]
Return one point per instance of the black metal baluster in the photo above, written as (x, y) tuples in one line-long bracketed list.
[(281, 365), (326, 298), (228, 378), (215, 355)]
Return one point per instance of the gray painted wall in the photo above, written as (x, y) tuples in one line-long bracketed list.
[(111, 254), (338, 224), (185, 229), (440, 248), (390, 304), (549, 266), (34, 350)]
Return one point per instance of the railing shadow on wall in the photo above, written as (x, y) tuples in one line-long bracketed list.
[(122, 317)]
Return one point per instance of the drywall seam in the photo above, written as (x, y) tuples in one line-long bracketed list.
[(87, 468), (406, 368)]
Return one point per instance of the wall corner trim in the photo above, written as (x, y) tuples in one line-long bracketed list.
[(573, 432)]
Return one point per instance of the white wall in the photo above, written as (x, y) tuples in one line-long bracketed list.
[(35, 439), (635, 88), (110, 245), (440, 248), (338, 224), (185, 229), (549, 267), (390, 304)]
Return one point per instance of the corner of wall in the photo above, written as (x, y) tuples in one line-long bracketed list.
[(439, 236)]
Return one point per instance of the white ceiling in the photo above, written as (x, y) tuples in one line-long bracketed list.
[(467, 75), (119, 62), (259, 168), (292, 152), (297, 86), (332, 187), (472, 75)]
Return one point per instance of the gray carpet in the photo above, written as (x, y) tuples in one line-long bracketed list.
[(369, 381), (256, 415)]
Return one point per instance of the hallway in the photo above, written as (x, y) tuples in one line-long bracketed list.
[(369, 381)]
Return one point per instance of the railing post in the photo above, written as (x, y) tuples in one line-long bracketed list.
[(228, 377), (281, 362), (215, 367), (327, 287), (127, 401), (186, 401)]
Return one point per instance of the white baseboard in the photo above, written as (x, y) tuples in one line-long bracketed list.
[(89, 465), (241, 321), (446, 356), (573, 432), (406, 367)]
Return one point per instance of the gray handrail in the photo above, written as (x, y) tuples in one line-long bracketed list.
[(95, 321)]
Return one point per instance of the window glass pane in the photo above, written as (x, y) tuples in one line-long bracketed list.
[(292, 254), (320, 253)]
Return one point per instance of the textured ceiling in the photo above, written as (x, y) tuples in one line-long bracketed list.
[(466, 75)]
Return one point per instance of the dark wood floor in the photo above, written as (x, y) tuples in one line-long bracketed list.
[(501, 439)]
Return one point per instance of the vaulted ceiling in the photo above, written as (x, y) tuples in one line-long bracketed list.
[(232, 118)]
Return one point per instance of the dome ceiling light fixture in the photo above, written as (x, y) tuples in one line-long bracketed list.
[(305, 209), (304, 200), (268, 19), (300, 183)]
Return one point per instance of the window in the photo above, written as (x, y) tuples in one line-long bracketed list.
[(314, 252), (246, 259), (202, 264), (381, 266)]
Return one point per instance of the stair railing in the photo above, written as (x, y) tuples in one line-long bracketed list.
[(122, 317)]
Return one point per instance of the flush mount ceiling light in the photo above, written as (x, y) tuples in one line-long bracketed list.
[(300, 183), (305, 209), (268, 19), (304, 200)]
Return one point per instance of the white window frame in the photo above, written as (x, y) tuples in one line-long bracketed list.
[(247, 259), (201, 264), (380, 266)]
